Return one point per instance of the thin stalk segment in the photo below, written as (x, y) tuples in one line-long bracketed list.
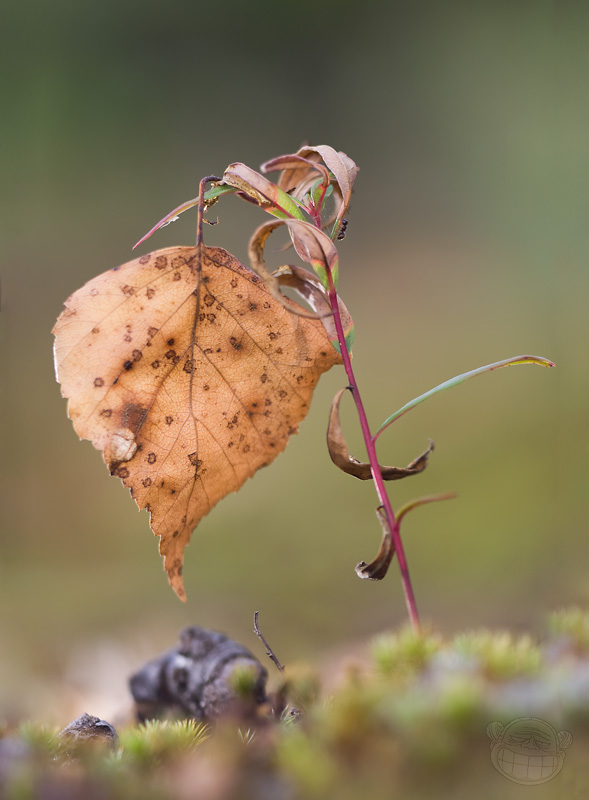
[(372, 458)]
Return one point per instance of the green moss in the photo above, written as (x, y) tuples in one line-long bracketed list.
[(572, 623), (244, 681), (42, 739), (501, 655), (157, 742), (404, 653), (412, 724)]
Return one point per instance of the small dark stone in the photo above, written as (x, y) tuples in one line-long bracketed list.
[(86, 728), (196, 679)]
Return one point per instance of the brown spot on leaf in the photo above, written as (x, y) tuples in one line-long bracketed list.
[(263, 377), (137, 355), (194, 460), (95, 330), (169, 420), (128, 290), (188, 366), (177, 276), (133, 417), (98, 382), (161, 262), (151, 458), (208, 300), (234, 343), (128, 365), (106, 412), (151, 331), (150, 292), (144, 259), (155, 364), (146, 482)]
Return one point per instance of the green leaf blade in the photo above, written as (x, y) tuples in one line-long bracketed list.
[(508, 362)]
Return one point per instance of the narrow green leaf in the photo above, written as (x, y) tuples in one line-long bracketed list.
[(508, 362)]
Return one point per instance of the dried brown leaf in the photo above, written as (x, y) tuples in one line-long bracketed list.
[(299, 172), (183, 369), (292, 165), (340, 455), (310, 288), (311, 245), (378, 568), (260, 190)]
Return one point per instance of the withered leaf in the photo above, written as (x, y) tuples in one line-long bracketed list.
[(311, 244), (189, 376), (298, 172), (378, 568), (340, 455), (260, 190), (310, 288)]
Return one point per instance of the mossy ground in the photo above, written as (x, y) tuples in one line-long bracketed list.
[(409, 721)]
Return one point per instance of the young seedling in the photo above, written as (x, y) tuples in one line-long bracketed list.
[(191, 371)]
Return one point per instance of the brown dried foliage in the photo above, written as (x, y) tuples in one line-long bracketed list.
[(189, 375)]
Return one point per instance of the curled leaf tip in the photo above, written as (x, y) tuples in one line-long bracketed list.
[(340, 455), (378, 568), (520, 360)]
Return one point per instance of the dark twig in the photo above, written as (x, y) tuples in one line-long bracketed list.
[(202, 205), (269, 652)]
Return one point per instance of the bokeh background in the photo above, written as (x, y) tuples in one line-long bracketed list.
[(467, 244)]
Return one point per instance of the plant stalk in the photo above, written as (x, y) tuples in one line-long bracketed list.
[(372, 458)]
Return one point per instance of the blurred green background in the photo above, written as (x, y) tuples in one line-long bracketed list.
[(467, 244)]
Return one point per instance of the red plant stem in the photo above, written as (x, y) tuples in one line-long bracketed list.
[(372, 458)]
